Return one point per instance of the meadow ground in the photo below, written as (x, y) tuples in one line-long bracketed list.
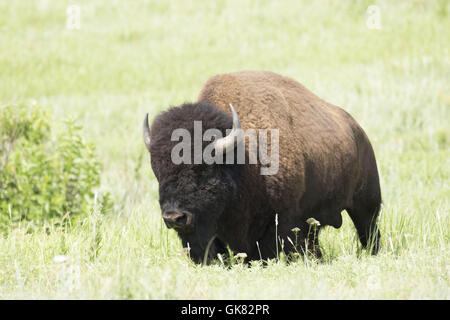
[(128, 58)]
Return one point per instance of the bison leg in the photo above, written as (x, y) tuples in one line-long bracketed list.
[(366, 206), (364, 217)]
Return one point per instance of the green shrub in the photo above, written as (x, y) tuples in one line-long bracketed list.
[(47, 171)]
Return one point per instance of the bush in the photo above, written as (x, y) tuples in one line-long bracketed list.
[(47, 173)]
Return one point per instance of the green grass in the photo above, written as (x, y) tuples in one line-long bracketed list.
[(129, 58)]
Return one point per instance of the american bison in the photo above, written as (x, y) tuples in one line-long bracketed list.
[(326, 165)]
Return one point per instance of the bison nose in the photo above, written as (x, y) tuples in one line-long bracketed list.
[(177, 219)]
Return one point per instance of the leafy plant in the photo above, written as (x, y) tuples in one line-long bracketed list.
[(48, 172)]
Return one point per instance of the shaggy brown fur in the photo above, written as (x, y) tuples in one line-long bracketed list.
[(326, 164)]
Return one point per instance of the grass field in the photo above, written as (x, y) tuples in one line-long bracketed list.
[(128, 58)]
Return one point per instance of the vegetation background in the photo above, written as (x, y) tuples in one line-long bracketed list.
[(131, 57)]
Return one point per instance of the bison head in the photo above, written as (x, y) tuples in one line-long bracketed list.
[(193, 196)]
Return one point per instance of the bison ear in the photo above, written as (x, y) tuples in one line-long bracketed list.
[(146, 133)]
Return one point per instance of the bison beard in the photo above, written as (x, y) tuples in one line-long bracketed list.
[(327, 165)]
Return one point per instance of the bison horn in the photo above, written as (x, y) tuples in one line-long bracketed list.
[(146, 133), (228, 142)]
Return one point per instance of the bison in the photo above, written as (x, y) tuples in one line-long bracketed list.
[(326, 165)]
